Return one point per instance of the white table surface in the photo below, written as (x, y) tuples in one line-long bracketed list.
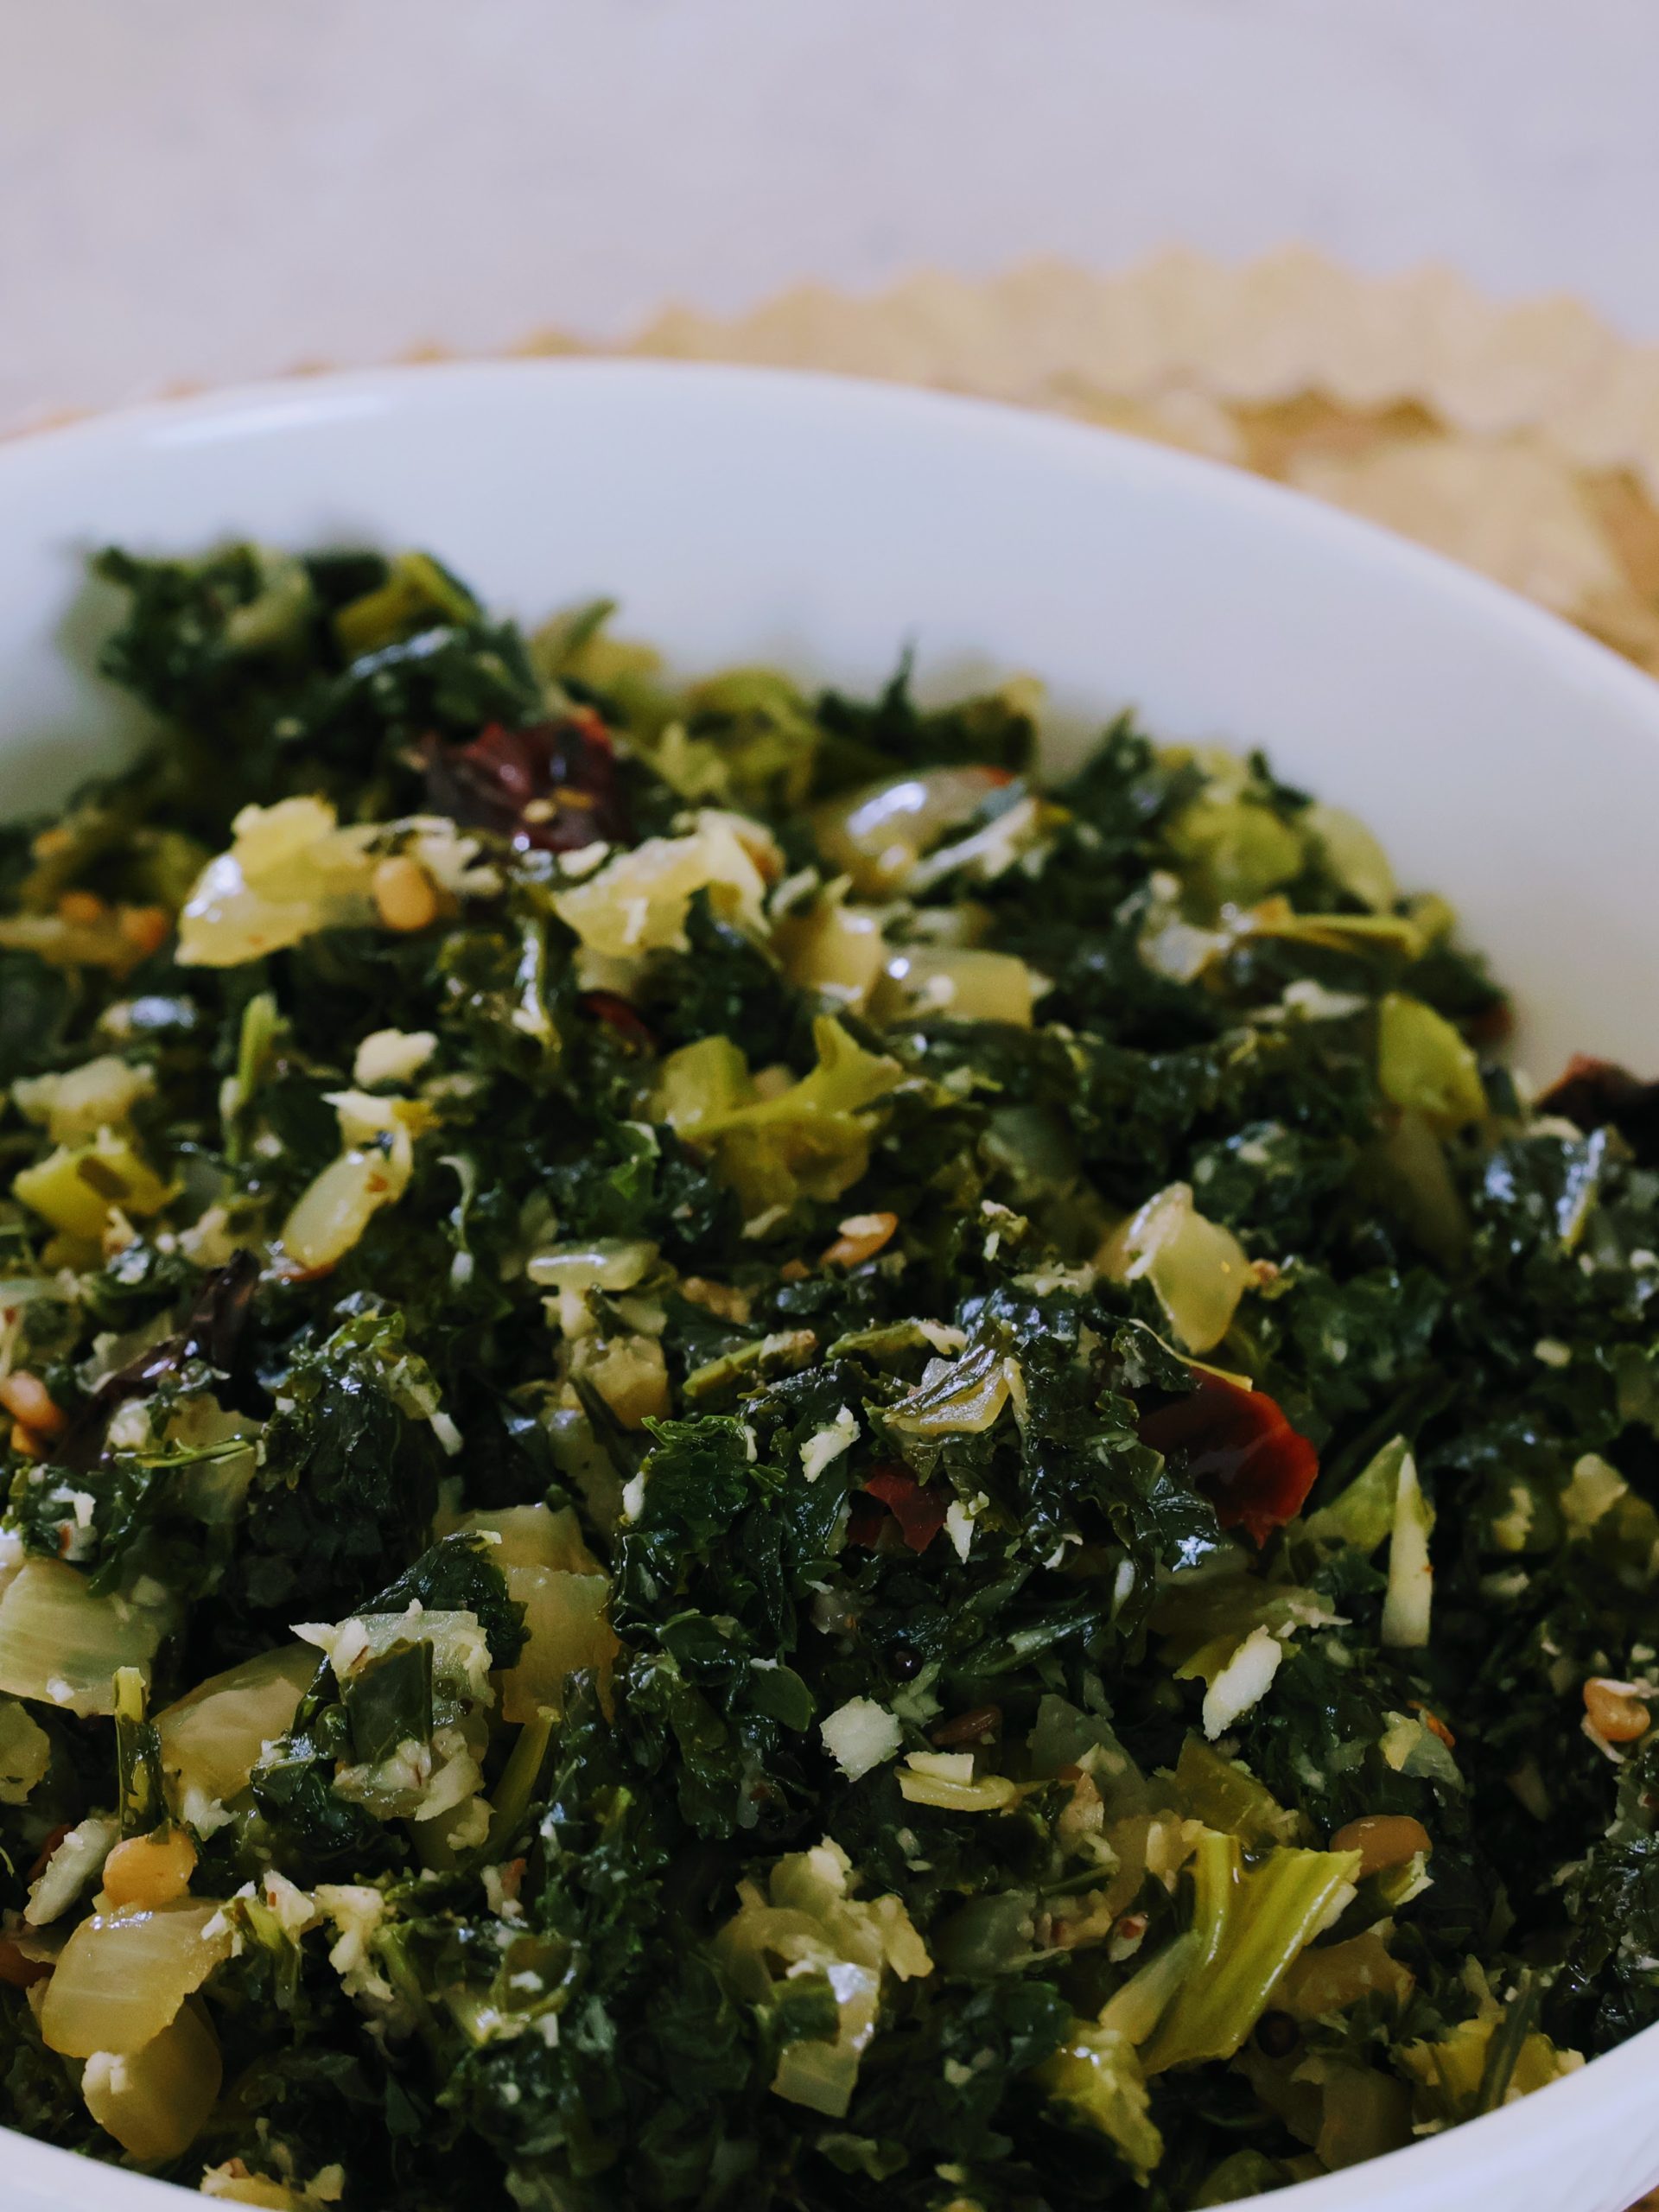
[(204, 190)]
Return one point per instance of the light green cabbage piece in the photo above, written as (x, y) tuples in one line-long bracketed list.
[(1424, 1065), (812, 1140), (1249, 1924), (1095, 2074), (808, 1923)]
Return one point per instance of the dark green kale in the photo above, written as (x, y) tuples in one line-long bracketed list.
[(347, 1483), (775, 1540), (861, 740), (35, 1001), (457, 1576), (252, 655)]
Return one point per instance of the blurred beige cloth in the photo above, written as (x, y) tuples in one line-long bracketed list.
[(1523, 440)]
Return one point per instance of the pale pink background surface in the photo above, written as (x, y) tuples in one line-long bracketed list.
[(208, 190)]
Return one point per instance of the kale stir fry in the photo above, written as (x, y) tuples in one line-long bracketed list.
[(752, 1464)]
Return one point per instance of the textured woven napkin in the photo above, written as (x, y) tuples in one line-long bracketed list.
[(1523, 441)]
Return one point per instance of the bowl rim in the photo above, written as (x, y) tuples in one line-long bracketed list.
[(1581, 2107), (272, 406)]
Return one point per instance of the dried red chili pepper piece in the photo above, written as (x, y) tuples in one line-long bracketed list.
[(621, 1016), (1491, 1024), (1235, 1447), (47, 1849), (866, 1520), (552, 788), (919, 1513), (1594, 1092), (19, 1972)]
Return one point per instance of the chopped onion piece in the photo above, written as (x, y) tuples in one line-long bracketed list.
[(25, 1752), (956, 984), (291, 869), (61, 1644), (639, 901), (75, 1186), (211, 1740), (878, 834), (860, 1735), (1198, 1270), (154, 2100), (569, 1630), (76, 1105), (533, 1536), (122, 1976), (1409, 1599), (376, 1160), (1242, 1682), (73, 1867), (832, 948)]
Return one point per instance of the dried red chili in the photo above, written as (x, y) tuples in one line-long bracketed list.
[(619, 1016), (552, 788), (919, 1512), (54, 1838), (19, 1972), (1235, 1447), (1594, 1092), (866, 1519)]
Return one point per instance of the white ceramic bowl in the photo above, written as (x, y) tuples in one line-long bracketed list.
[(821, 524)]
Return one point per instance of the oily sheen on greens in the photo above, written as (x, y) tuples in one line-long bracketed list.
[(948, 1455)]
